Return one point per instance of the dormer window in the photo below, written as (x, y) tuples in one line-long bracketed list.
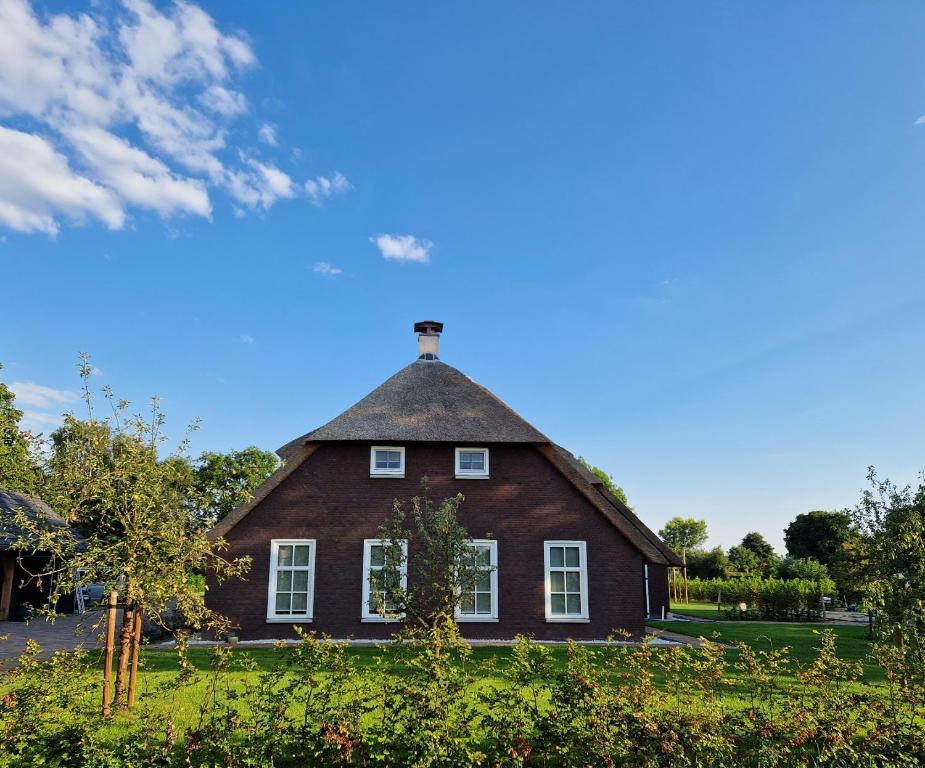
[(472, 462), (386, 461)]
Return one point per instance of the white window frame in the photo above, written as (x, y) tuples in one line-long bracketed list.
[(573, 618), (371, 616), (373, 472), (485, 617), (462, 474), (272, 616)]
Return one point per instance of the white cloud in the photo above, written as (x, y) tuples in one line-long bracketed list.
[(247, 339), (37, 185), (38, 396), (403, 248), (127, 108), (267, 134), (921, 120), (321, 188), (36, 421), (323, 268)]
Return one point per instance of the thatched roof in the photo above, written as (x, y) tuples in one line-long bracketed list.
[(36, 510), (427, 401), (430, 401)]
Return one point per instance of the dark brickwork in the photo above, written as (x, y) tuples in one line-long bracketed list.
[(332, 498), (658, 590)]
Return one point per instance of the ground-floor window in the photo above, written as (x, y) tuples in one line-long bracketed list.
[(378, 603), (480, 603), (292, 580), (566, 580)]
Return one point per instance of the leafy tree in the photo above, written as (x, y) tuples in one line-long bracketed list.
[(19, 467), (683, 534), (109, 480), (891, 521), (744, 561), (227, 480), (707, 564), (605, 478), (820, 535), (426, 540), (764, 552), (802, 568)]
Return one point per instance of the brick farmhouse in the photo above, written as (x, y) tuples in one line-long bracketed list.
[(563, 557)]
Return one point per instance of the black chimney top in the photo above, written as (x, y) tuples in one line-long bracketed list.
[(428, 327)]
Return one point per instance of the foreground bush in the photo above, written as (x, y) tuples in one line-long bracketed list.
[(429, 704), (767, 599)]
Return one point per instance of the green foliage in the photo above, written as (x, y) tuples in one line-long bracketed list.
[(744, 562), (19, 464), (766, 599), (606, 479), (708, 564), (224, 481), (107, 478), (428, 540), (753, 557), (802, 568), (819, 535), (683, 534), (612, 705)]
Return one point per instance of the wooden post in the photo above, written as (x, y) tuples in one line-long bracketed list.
[(125, 646), (136, 647), (110, 647)]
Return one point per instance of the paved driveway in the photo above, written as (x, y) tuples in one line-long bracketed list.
[(64, 634)]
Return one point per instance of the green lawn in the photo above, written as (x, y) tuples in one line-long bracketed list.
[(158, 678), (802, 639), (699, 610)]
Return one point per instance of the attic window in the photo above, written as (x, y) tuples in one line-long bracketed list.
[(471, 462), (387, 461)]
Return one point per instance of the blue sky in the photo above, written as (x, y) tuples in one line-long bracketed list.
[(684, 241)]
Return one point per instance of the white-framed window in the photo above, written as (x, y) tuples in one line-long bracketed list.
[(292, 580), (481, 602), (566, 580), (387, 461), (471, 462), (376, 603)]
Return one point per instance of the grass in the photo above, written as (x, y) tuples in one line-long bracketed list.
[(699, 610), (160, 669), (802, 639)]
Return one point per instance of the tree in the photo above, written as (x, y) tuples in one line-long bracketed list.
[(802, 568), (19, 467), (683, 534), (764, 553), (109, 480), (606, 479), (227, 480), (818, 534), (744, 561), (707, 564), (428, 540), (891, 522)]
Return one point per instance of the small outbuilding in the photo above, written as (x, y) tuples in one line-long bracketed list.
[(20, 591)]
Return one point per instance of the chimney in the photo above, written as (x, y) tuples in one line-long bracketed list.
[(428, 333)]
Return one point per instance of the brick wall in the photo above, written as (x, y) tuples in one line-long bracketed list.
[(332, 498)]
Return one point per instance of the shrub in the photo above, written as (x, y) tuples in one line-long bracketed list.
[(768, 599)]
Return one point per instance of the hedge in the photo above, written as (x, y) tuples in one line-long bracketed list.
[(771, 599)]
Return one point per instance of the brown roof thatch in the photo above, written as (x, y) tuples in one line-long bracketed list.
[(427, 401), (36, 510), (430, 401)]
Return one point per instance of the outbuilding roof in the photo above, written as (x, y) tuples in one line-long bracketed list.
[(427, 401), (34, 509)]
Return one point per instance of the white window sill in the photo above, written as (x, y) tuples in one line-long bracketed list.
[(387, 475), (567, 620), (289, 620), (381, 619), (476, 619), (472, 477)]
